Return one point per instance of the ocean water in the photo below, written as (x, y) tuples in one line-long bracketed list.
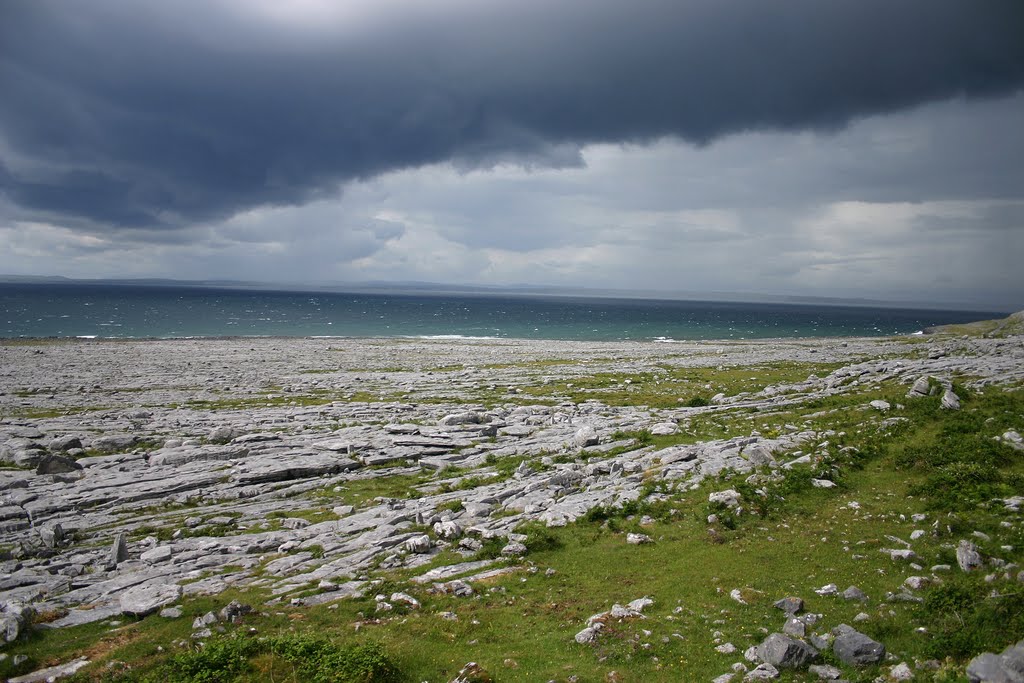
[(121, 311)]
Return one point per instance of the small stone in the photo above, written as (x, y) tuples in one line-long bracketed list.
[(795, 627), (901, 672), (405, 599), (729, 498), (586, 436), (158, 554), (825, 672), (514, 549), (63, 444), (664, 429), (234, 611), (921, 388), (822, 641), (1013, 439), (418, 544), (638, 539), (472, 673), (950, 401), (640, 604), (52, 534), (854, 593), (118, 550), (57, 464), (207, 619), (465, 418), (967, 556), (902, 554), (790, 605), (447, 530), (763, 672), (917, 582)]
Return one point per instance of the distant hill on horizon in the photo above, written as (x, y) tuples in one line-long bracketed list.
[(414, 287)]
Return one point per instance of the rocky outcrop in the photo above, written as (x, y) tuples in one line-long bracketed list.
[(249, 454)]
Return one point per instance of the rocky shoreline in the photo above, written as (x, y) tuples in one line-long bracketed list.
[(137, 472)]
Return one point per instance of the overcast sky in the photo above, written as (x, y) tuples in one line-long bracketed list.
[(850, 148)]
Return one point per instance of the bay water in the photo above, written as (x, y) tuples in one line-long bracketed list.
[(128, 311)]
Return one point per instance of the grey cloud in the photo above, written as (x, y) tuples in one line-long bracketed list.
[(152, 114)]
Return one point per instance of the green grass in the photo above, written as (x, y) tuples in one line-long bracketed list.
[(362, 492), (47, 413), (669, 386), (312, 515)]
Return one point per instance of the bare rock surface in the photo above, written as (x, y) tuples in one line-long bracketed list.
[(140, 471)]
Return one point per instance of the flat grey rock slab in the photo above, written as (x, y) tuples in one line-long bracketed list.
[(52, 673), (142, 600), (451, 570)]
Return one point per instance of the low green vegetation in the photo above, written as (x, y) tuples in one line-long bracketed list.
[(312, 515), (362, 492), (670, 386), (1000, 327)]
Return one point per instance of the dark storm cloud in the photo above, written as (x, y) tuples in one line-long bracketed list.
[(151, 114)]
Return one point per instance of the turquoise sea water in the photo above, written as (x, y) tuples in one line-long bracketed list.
[(121, 311)]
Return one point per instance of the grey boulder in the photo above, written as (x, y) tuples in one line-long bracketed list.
[(784, 652), (586, 436), (13, 616), (790, 605), (854, 648), (950, 401), (65, 443), (466, 418), (52, 534)]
